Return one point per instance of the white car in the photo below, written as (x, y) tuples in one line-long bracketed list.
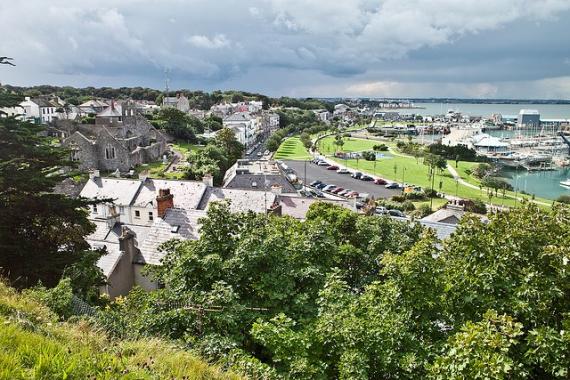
[(342, 171), (323, 163)]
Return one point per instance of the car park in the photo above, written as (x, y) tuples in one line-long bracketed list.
[(366, 178), (380, 181), (342, 171), (397, 213), (356, 175), (332, 167)]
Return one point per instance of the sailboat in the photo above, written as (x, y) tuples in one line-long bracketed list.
[(565, 183)]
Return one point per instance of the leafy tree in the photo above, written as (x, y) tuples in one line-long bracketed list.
[(227, 141), (42, 234)]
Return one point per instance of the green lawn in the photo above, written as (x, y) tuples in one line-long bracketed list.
[(185, 148), (407, 169), (292, 149)]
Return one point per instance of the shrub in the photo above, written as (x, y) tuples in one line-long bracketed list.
[(564, 199)]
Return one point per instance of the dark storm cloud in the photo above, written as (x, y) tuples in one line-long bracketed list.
[(301, 47)]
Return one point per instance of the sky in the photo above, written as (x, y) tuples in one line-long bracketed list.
[(319, 48)]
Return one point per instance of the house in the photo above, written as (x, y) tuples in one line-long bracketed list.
[(93, 106), (120, 139), (340, 109), (180, 102), (245, 126), (256, 175), (135, 217), (323, 115), (40, 109), (451, 214)]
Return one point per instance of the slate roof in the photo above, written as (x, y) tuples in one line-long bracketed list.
[(445, 215), (187, 194), (238, 117), (177, 224), (123, 191), (442, 230), (240, 200), (108, 262), (247, 181), (297, 207), (111, 111)]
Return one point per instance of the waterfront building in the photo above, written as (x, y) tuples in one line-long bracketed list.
[(528, 118)]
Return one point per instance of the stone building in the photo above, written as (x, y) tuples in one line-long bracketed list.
[(120, 139)]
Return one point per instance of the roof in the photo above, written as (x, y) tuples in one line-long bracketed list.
[(442, 230), (43, 102), (176, 224), (108, 262), (297, 207), (122, 191), (238, 117), (240, 200), (187, 194), (528, 112), (94, 103), (114, 110), (445, 215), (486, 140)]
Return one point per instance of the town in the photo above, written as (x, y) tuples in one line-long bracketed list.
[(280, 190)]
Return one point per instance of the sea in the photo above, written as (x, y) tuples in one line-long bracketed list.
[(542, 184)]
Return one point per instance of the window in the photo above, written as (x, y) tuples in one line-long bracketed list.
[(150, 216), (122, 210), (137, 214), (95, 209), (110, 152), (74, 155)]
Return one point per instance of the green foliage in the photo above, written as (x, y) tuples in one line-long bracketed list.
[(36, 346), (456, 152), (481, 350), (380, 148), (563, 199), (482, 170), (58, 298), (42, 234), (369, 156), (177, 124)]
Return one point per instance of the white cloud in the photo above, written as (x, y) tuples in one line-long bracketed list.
[(216, 42)]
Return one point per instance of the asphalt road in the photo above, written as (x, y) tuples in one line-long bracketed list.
[(331, 177), (260, 148)]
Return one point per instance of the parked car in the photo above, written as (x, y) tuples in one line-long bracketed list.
[(259, 154), (366, 178), (397, 213), (329, 187), (266, 152), (323, 163), (352, 194), (332, 167), (315, 160), (342, 171), (380, 181), (317, 193), (337, 190), (321, 186), (306, 193), (315, 183), (392, 185), (356, 175), (344, 192), (381, 210)]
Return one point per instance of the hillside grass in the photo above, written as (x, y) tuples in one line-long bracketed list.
[(35, 345), (292, 149)]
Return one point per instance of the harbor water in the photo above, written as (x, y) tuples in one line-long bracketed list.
[(545, 184)]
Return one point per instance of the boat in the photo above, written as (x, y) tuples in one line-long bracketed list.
[(565, 183)]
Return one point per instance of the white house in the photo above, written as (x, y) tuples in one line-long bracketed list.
[(245, 126)]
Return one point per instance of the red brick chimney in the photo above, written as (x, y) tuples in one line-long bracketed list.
[(164, 201)]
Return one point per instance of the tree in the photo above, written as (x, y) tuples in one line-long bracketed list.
[(226, 139), (178, 124), (42, 233), (338, 141)]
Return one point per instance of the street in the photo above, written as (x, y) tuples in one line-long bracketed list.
[(331, 177)]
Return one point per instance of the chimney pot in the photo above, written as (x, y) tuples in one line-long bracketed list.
[(208, 180)]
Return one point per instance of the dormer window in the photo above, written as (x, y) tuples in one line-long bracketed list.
[(175, 229), (110, 152)]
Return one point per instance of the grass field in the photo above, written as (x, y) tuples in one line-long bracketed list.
[(292, 149), (402, 168), (185, 148)]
